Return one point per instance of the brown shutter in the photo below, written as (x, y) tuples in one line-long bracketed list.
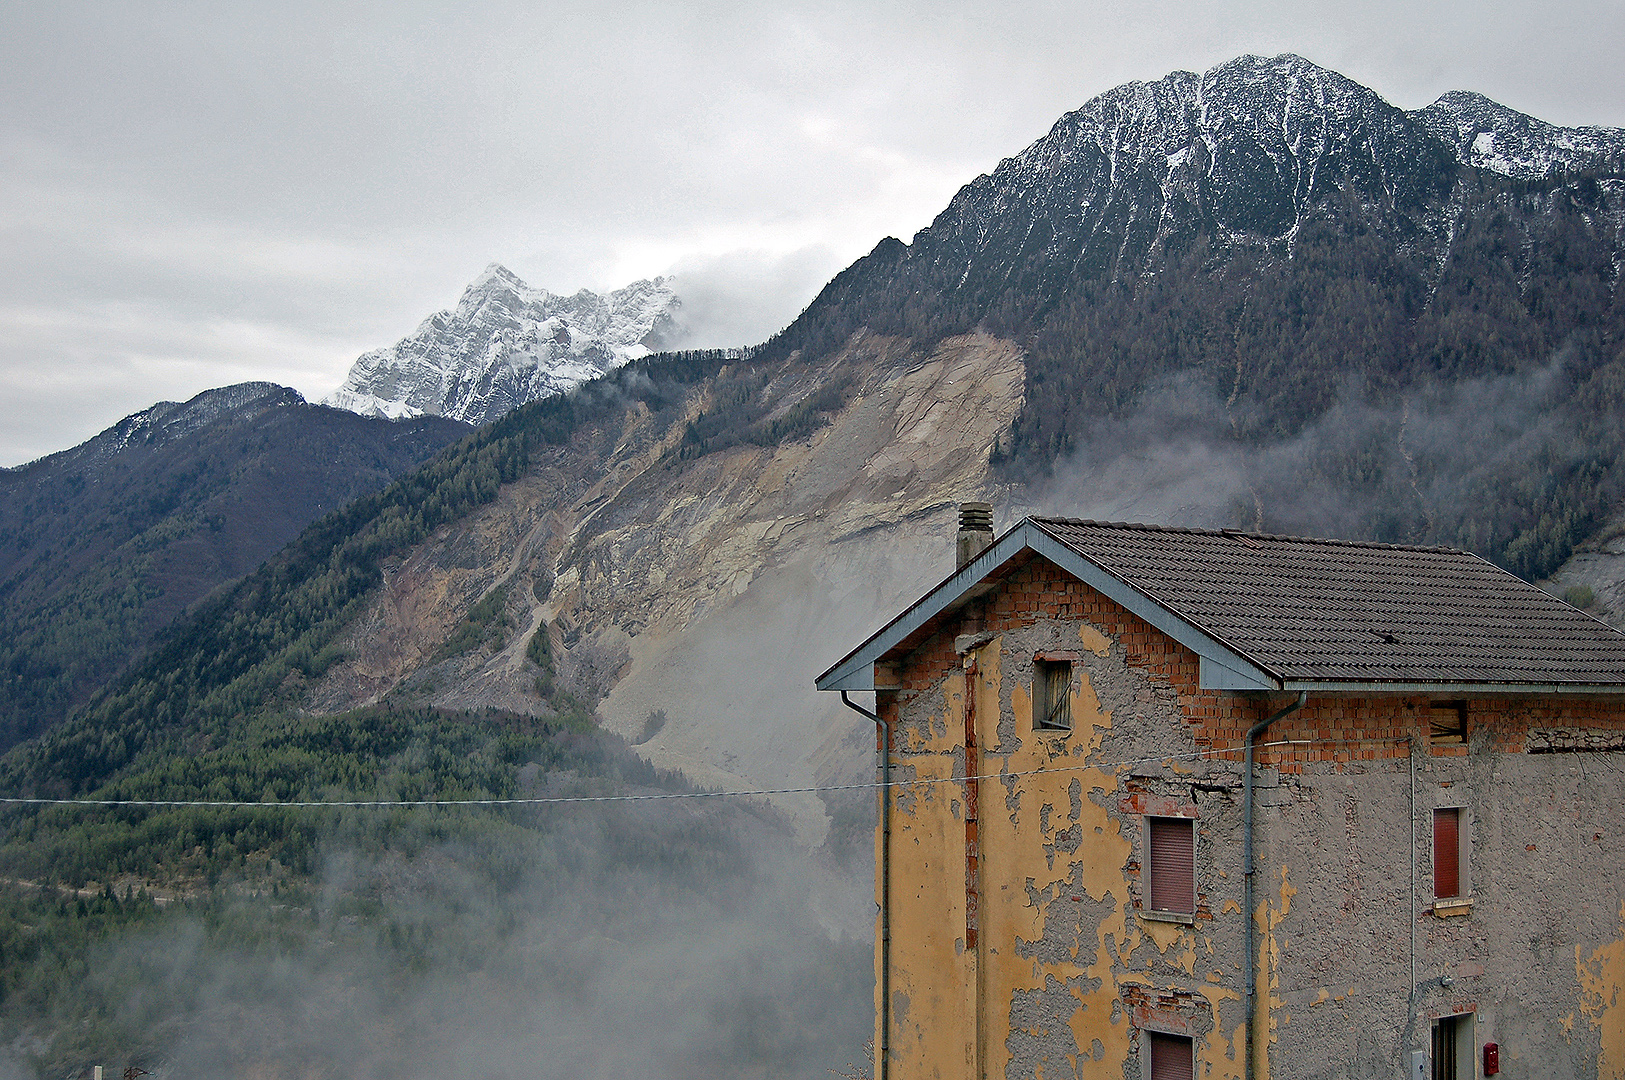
[(1171, 1057), (1173, 865), (1444, 1049), (1446, 853)]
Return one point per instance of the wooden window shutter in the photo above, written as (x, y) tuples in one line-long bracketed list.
[(1053, 693), (1171, 1057), (1447, 723), (1446, 853), (1173, 865)]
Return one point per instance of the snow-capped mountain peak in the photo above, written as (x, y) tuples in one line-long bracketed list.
[(507, 343)]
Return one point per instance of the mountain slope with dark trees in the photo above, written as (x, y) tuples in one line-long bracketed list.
[(430, 938), (1336, 316), (1272, 241), (104, 545)]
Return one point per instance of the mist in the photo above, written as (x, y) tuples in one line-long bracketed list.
[(657, 939), (1407, 467), (744, 298)]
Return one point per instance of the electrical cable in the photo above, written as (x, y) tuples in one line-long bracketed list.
[(233, 804)]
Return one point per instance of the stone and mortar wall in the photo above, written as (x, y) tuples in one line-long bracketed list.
[(1032, 959)]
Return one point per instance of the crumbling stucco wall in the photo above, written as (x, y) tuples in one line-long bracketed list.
[(1020, 944)]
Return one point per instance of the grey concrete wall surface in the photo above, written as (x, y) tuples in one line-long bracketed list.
[(1341, 923), (1544, 870)]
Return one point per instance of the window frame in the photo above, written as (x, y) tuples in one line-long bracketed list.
[(1463, 1048), (1447, 723), (1148, 1040), (1045, 668), (1463, 898), (1147, 908)]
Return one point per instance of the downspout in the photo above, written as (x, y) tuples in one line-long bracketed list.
[(1248, 868), (1410, 1024), (882, 1051)]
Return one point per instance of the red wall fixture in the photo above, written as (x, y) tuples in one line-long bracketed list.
[(1492, 1059)]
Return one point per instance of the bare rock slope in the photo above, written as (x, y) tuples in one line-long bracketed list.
[(707, 595)]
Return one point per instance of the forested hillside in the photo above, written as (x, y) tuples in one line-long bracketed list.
[(1317, 312), (503, 897), (417, 942), (104, 545)]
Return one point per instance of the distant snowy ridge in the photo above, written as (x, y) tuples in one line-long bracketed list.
[(170, 420), (506, 344), (1245, 153), (1488, 135)]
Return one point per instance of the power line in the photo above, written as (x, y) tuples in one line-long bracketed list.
[(232, 804)]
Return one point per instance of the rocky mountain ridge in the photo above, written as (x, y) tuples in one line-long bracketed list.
[(1487, 135), (1143, 197), (1244, 154), (166, 421), (103, 545), (1098, 324), (505, 344)]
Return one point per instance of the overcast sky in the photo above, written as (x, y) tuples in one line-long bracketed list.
[(198, 194)]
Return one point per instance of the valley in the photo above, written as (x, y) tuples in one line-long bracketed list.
[(1258, 297)]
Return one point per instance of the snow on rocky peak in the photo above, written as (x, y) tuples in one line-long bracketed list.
[(1249, 150), (506, 344), (1488, 135)]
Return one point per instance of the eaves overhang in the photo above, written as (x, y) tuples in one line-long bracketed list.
[(1223, 667), (1455, 689)]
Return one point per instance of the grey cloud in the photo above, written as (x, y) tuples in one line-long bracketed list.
[(334, 173), (741, 298)]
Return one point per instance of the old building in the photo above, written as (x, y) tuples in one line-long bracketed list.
[(1434, 814)]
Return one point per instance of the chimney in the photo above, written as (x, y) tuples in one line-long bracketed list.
[(975, 531)]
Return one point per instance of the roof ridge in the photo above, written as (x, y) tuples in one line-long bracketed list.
[(1278, 537)]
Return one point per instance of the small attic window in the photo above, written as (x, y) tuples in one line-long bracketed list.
[(1447, 723), (1052, 694)]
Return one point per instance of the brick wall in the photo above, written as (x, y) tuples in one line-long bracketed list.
[(1329, 728)]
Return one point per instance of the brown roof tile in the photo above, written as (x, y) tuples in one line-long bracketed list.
[(1335, 610)]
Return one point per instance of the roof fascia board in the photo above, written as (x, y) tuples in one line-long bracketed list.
[(857, 670), (1213, 674), (1236, 672)]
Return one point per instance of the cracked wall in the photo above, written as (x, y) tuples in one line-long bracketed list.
[(1021, 945)]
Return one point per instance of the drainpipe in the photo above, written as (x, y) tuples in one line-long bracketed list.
[(882, 1051), (1247, 873)]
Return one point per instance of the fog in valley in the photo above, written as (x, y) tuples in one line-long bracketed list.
[(1409, 469), (664, 938)]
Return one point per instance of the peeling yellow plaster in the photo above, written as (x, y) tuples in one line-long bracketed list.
[(1050, 874), (1602, 984), (1165, 934), (1267, 917), (1014, 850), (1162, 934), (1093, 640), (931, 968), (1222, 1057)]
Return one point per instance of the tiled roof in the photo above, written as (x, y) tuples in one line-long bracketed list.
[(1338, 611)]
